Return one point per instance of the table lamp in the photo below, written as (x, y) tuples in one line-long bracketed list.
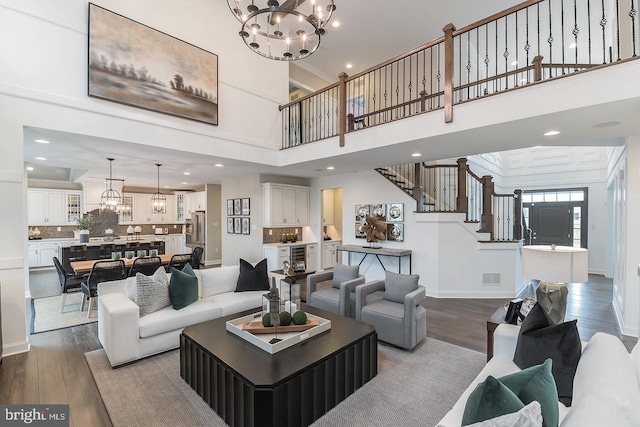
[(554, 266)]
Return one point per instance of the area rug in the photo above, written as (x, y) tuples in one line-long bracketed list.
[(46, 316), (411, 388)]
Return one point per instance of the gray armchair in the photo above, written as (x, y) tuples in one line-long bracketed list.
[(334, 290), (398, 317)]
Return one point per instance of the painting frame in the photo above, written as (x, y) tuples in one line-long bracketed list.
[(237, 225), (246, 206), (230, 225), (229, 207), (133, 64), (237, 207), (246, 224)]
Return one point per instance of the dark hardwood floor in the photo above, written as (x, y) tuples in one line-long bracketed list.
[(55, 370)]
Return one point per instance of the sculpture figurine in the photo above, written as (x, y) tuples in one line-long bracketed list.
[(375, 229), (274, 308)]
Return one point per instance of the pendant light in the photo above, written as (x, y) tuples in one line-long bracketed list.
[(159, 200), (111, 200)]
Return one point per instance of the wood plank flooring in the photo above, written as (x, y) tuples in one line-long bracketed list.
[(55, 370)]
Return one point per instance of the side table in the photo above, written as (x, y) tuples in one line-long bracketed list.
[(496, 319)]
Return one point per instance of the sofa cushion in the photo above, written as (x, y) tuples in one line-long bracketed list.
[(235, 302), (490, 399), (218, 280), (152, 292), (344, 273), (529, 416), (561, 343), (396, 286), (253, 278), (167, 319), (536, 384), (183, 287), (606, 378)]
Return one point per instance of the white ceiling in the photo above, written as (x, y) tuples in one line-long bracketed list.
[(385, 29)]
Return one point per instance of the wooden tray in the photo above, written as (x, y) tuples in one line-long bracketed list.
[(256, 327)]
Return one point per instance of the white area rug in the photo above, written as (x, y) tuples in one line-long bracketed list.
[(46, 314), (411, 389)]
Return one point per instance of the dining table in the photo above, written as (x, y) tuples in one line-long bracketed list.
[(85, 266)]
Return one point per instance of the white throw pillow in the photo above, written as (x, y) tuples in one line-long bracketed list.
[(529, 416), (152, 292)]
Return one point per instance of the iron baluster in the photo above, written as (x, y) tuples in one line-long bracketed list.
[(576, 30), (603, 24), (632, 14), (562, 32), (468, 64), (618, 27), (506, 53), (589, 27), (486, 58), (550, 41)]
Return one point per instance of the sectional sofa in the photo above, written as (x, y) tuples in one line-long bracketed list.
[(127, 337)]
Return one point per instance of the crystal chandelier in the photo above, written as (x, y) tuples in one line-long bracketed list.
[(285, 32), (159, 200), (111, 200)]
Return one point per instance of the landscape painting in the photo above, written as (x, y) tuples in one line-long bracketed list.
[(136, 65)]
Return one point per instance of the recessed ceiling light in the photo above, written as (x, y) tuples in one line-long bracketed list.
[(42, 141), (41, 158), (416, 155), (349, 66), (551, 133), (185, 183), (330, 168), (29, 168), (218, 165), (335, 24), (186, 173)]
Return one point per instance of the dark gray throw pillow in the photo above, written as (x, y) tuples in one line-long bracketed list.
[(343, 273), (253, 278), (396, 286), (538, 341)]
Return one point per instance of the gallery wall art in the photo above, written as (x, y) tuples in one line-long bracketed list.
[(392, 214), (131, 63)]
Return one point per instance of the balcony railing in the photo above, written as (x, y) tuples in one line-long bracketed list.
[(534, 41)]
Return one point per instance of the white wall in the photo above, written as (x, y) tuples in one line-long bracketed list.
[(445, 253), (43, 84)]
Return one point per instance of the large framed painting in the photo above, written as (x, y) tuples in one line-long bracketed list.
[(137, 65)]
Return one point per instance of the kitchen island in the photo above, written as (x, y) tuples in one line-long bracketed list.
[(93, 250)]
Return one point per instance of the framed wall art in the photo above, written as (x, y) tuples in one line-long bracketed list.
[(131, 63), (230, 225), (237, 207), (237, 225), (246, 208), (245, 225), (229, 207)]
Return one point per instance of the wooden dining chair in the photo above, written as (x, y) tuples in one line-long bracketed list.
[(102, 271)]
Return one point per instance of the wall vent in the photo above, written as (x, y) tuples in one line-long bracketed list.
[(294, 96), (491, 279)]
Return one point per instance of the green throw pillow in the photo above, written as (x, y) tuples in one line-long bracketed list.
[(490, 399), (536, 384), (183, 287)]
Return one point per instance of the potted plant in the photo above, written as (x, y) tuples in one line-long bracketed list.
[(84, 224)]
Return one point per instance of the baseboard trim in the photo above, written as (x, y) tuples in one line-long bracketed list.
[(15, 348), (472, 294)]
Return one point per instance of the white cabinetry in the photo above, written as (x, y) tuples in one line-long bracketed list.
[(285, 205), (41, 253), (179, 207), (143, 211), (311, 263), (327, 207), (141, 208), (53, 207), (329, 253), (195, 202), (92, 198), (180, 244), (275, 256)]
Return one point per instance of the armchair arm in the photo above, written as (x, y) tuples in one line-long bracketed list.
[(345, 294), (366, 289), (411, 300), (118, 327), (314, 279), (505, 338)]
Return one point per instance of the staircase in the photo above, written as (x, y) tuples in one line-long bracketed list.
[(455, 188)]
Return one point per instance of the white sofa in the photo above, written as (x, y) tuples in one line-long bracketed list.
[(606, 387), (126, 336)]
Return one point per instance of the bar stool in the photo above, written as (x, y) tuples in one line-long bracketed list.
[(106, 249), (157, 244), (77, 253)]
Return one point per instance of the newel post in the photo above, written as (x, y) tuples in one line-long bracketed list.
[(486, 220), (517, 214), (462, 204), (342, 106), (418, 191), (448, 72), (537, 68)]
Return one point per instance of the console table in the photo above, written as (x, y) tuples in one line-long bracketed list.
[(377, 252)]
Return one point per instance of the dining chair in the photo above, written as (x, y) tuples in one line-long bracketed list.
[(69, 282), (179, 261), (102, 271), (197, 256), (146, 266)]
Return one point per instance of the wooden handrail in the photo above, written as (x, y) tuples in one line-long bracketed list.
[(476, 177), (310, 95), (401, 105), (496, 16)]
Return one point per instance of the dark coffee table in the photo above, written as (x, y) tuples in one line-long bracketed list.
[(247, 386)]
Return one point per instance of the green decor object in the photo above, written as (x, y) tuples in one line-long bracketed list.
[(183, 287), (84, 222), (299, 318), (285, 318), (490, 399), (266, 320)]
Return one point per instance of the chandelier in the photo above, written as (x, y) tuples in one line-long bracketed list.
[(159, 200), (111, 200), (285, 32)]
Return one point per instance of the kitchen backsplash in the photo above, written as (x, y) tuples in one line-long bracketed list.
[(277, 233), (119, 230)]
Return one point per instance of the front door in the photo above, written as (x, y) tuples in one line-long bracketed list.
[(551, 223)]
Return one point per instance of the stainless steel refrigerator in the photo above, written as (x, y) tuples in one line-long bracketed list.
[(196, 230)]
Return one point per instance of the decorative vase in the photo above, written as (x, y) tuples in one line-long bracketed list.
[(84, 236)]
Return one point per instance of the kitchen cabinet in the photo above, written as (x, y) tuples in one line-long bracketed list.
[(285, 205), (41, 253), (327, 207), (53, 207), (275, 256), (195, 202), (180, 244), (311, 263), (329, 253), (179, 208), (33, 254), (143, 210)]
